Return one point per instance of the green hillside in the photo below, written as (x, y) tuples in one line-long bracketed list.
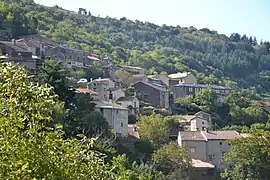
[(215, 58)]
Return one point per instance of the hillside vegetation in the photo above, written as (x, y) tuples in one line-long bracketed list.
[(215, 58)]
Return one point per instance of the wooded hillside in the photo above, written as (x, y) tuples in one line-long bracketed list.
[(215, 58)]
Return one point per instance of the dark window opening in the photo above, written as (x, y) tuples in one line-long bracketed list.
[(220, 143), (102, 110)]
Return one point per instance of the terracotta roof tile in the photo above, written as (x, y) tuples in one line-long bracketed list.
[(85, 90)]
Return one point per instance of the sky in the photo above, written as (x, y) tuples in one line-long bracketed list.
[(250, 17)]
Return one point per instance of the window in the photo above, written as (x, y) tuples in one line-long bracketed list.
[(192, 150), (70, 56), (229, 144), (203, 122), (122, 125), (220, 143), (145, 96), (102, 110), (78, 58), (111, 96), (94, 84), (190, 89), (69, 62), (116, 111)]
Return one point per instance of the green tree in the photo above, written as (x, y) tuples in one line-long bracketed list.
[(124, 77), (155, 129), (249, 157), (207, 99), (83, 119), (54, 74), (30, 149), (173, 161)]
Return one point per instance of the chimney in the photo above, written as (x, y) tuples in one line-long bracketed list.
[(14, 42)]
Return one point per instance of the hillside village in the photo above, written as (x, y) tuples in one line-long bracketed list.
[(92, 97), (196, 132)]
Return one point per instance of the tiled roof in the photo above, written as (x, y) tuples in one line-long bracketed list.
[(85, 90), (210, 135), (202, 86), (160, 88), (18, 46), (221, 135), (191, 136)]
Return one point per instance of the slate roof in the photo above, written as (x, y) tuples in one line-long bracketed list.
[(160, 87), (18, 46), (202, 86)]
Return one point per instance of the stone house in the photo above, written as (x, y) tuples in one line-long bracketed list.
[(184, 89), (19, 52), (208, 146), (114, 93), (106, 88), (185, 77), (197, 122), (131, 103), (70, 56), (155, 94), (116, 115), (38, 44)]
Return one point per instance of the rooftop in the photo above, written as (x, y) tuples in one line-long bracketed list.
[(200, 164), (17, 46), (210, 135), (179, 75), (202, 86), (128, 98), (158, 87), (85, 90), (108, 105), (131, 67), (188, 117)]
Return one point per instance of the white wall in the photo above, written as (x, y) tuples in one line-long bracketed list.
[(117, 119)]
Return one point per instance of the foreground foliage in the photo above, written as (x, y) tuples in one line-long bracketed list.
[(31, 149), (250, 157)]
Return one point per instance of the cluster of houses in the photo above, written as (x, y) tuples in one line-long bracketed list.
[(205, 146), (31, 50)]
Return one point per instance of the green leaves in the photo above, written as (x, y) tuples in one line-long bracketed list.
[(249, 157)]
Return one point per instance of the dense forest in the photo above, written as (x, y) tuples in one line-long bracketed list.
[(238, 60)]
